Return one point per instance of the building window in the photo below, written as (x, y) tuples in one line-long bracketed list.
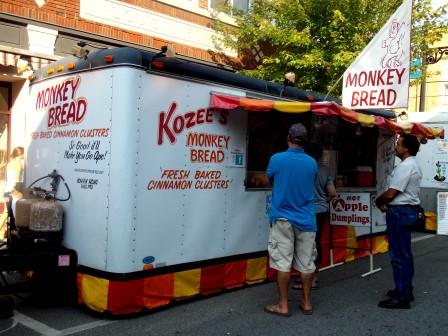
[(220, 5)]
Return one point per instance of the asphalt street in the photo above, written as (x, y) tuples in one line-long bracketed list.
[(345, 304)]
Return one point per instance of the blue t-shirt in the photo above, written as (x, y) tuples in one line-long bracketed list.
[(293, 174)]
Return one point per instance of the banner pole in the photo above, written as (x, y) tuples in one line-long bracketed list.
[(331, 89)]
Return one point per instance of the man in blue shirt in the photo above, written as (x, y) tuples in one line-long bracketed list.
[(293, 220)]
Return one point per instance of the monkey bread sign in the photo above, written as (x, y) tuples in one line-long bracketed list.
[(379, 77)]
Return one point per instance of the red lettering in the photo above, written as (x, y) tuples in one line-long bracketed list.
[(193, 156), (75, 83), (64, 92), (209, 116), (64, 113), (189, 116), (171, 127), (391, 97), (351, 79), (355, 98), (50, 120), (380, 98), (390, 77), (200, 116), (47, 97), (400, 74), (59, 116), (40, 100), (362, 78), (364, 96), (71, 114), (372, 97), (164, 119), (380, 77), (178, 124), (57, 93), (54, 91), (206, 155), (81, 110)]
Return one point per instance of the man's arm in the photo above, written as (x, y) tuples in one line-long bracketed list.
[(330, 192), (386, 197), (270, 171)]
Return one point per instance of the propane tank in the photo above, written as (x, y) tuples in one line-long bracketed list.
[(23, 209), (46, 216)]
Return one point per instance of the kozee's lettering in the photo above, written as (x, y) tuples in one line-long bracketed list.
[(171, 125)]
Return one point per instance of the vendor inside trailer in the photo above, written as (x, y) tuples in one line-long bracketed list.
[(349, 150)]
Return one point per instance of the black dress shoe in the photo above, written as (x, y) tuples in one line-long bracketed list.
[(394, 303), (392, 293)]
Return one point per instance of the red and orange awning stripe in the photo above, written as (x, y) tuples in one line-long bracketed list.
[(324, 109)]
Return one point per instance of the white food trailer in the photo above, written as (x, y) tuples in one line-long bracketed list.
[(165, 203)]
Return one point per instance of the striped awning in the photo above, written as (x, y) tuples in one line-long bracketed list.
[(325, 109), (10, 59), (37, 62)]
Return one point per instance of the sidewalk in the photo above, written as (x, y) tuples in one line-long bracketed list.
[(345, 304)]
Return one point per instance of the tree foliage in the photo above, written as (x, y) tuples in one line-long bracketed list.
[(319, 39)]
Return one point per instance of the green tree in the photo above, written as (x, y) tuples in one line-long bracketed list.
[(429, 25), (319, 39)]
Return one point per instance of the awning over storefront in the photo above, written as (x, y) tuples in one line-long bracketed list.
[(324, 109), (10, 59)]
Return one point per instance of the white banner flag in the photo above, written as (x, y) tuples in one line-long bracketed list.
[(379, 77)]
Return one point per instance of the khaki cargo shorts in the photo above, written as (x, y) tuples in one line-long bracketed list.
[(289, 246)]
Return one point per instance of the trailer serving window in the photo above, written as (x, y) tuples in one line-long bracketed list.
[(349, 150), (267, 132)]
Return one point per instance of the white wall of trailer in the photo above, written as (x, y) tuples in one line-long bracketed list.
[(432, 158), (149, 186), (206, 216)]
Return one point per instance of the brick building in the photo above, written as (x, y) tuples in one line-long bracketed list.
[(432, 96), (36, 32)]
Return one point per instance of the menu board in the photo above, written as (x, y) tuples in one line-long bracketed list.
[(433, 160), (442, 213)]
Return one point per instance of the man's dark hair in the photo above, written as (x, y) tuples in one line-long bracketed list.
[(297, 134), (297, 140), (411, 142)]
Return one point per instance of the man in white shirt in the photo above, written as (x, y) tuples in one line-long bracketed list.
[(401, 203)]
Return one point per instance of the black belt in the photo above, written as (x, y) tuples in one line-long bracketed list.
[(417, 206)]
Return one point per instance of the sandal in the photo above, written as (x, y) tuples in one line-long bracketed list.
[(273, 309), (306, 311)]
